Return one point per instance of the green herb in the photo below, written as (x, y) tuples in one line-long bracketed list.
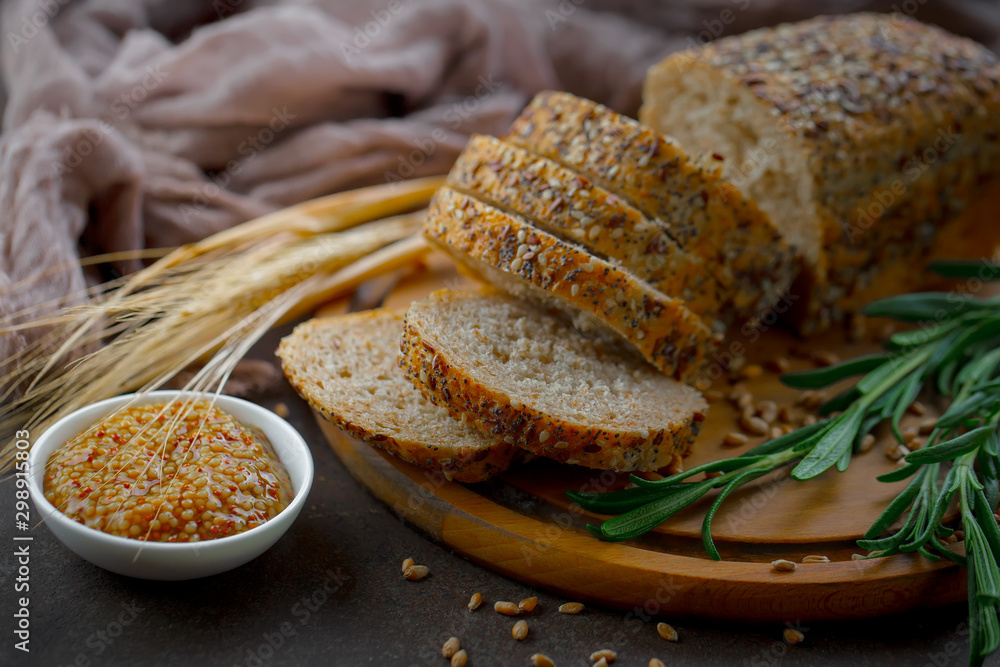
[(956, 353)]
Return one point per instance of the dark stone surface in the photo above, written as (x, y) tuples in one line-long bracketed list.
[(330, 593)]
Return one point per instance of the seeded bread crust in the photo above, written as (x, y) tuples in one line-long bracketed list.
[(571, 207), (705, 215), (660, 328), (448, 380), (870, 113), (309, 360)]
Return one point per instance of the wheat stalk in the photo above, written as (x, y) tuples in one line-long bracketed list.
[(211, 300)]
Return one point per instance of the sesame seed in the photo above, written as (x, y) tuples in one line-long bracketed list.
[(506, 608), (475, 601), (543, 436), (528, 604), (782, 565), (666, 631), (416, 572), (574, 290), (857, 556), (570, 608), (450, 647), (520, 630), (516, 264)]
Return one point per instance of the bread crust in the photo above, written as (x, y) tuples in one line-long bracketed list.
[(707, 216), (573, 207), (898, 123), (443, 381), (660, 328), (466, 464)]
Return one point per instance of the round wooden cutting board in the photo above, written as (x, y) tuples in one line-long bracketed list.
[(522, 525)]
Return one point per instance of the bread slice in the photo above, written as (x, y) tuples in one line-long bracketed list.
[(573, 208), (707, 216), (849, 155), (512, 254), (347, 369), (515, 372)]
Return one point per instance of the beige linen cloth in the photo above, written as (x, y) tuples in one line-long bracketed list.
[(132, 124)]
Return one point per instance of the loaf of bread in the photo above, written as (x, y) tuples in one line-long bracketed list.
[(510, 253), (860, 135), (707, 217), (572, 207), (515, 372), (347, 369)]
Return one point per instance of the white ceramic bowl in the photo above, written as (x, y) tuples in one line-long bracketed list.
[(163, 560)]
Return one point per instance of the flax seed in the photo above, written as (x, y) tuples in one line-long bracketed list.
[(416, 572), (528, 605), (782, 565), (520, 630), (734, 439), (793, 636), (460, 659), (450, 647), (666, 631), (570, 608), (506, 608), (604, 654), (407, 563), (540, 660), (475, 601)]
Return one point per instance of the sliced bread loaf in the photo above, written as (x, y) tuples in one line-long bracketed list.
[(512, 254), (347, 369), (854, 133), (705, 215), (573, 208), (515, 372)]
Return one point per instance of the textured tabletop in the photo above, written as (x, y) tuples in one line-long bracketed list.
[(330, 592)]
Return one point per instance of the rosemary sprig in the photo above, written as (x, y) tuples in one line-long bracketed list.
[(956, 353)]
